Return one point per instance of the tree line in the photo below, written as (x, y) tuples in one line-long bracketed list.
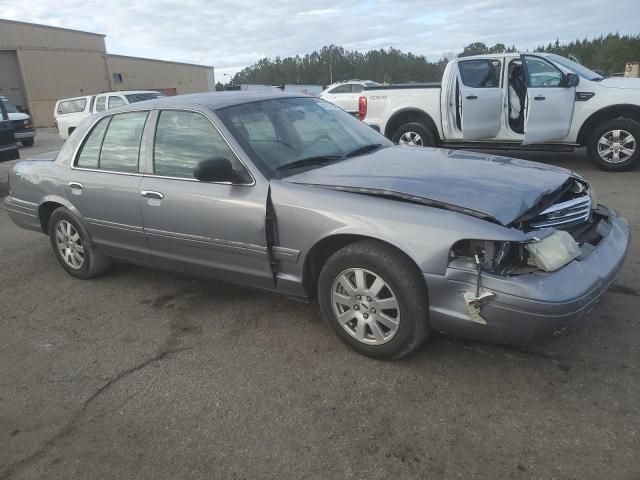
[(606, 52)]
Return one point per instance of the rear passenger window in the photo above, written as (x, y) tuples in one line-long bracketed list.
[(114, 143), (480, 73), (90, 153), (182, 140)]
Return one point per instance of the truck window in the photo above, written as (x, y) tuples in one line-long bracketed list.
[(541, 73), (484, 73), (100, 103), (72, 106), (341, 89)]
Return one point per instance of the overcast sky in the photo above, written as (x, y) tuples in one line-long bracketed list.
[(232, 34)]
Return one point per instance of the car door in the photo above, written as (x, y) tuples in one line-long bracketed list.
[(550, 102), (479, 98), (212, 229), (104, 184)]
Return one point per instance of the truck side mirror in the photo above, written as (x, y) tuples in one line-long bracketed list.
[(572, 80)]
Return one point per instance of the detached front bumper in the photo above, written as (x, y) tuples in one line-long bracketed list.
[(529, 308)]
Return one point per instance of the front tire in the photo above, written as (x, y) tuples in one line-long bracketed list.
[(73, 248), (414, 134), (28, 142), (375, 299), (613, 145)]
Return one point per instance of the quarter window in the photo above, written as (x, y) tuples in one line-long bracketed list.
[(114, 143), (115, 102), (480, 73), (183, 139)]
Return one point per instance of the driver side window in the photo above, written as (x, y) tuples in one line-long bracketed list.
[(541, 73)]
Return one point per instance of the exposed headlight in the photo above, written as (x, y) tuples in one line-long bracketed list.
[(553, 252), (515, 258)]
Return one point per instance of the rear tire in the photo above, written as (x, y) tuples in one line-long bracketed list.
[(613, 145), (72, 246), (375, 299), (414, 134), (27, 142)]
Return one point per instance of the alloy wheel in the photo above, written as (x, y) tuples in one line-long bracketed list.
[(365, 306), (411, 138), (69, 244), (616, 146)]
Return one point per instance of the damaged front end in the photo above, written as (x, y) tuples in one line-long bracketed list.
[(562, 227)]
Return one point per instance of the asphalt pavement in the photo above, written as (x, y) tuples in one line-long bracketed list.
[(142, 374)]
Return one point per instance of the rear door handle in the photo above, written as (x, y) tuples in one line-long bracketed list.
[(539, 97), (150, 194), (75, 185), (472, 97)]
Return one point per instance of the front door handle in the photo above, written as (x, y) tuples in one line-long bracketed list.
[(472, 97), (76, 185), (150, 194), (539, 97)]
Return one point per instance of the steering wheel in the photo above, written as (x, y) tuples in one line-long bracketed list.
[(317, 140)]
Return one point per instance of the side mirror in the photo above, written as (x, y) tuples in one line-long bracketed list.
[(218, 169), (572, 80)]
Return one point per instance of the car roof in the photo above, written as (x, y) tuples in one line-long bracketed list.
[(505, 54), (212, 100), (129, 92)]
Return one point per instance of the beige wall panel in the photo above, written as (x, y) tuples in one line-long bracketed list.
[(141, 74), (15, 35)]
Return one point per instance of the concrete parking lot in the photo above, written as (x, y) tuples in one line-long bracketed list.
[(146, 374)]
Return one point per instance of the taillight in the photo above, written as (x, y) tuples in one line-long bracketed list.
[(362, 107), (55, 123)]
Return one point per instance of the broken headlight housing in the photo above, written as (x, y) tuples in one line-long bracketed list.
[(515, 258)]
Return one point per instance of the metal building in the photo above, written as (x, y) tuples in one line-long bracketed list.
[(40, 64)]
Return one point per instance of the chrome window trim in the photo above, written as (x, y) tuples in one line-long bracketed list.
[(205, 115), (74, 158)]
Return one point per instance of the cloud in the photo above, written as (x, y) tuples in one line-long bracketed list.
[(232, 34)]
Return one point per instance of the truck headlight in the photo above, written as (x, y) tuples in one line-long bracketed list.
[(553, 252)]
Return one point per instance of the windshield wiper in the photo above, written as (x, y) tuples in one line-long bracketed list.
[(364, 149), (303, 162)]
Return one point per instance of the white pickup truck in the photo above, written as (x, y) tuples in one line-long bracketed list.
[(534, 101), (69, 112)]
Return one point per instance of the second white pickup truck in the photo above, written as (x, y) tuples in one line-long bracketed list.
[(534, 101)]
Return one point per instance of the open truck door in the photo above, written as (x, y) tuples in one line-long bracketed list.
[(479, 99), (550, 100)]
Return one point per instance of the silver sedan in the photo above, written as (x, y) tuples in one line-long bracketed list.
[(291, 194)]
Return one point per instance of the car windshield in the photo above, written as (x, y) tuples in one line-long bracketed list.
[(141, 97), (284, 135), (576, 68), (10, 106)]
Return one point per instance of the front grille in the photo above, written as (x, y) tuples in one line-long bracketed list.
[(564, 214)]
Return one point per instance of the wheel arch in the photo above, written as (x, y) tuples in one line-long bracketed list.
[(48, 205), (320, 252), (409, 115), (605, 114)]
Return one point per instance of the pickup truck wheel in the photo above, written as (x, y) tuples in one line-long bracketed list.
[(374, 298), (613, 146), (414, 134), (27, 142), (72, 246)]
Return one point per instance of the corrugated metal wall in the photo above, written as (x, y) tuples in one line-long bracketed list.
[(57, 63), (145, 74)]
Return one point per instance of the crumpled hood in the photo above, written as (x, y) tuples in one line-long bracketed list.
[(621, 82), (500, 188)]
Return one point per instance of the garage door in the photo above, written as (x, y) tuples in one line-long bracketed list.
[(10, 80)]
